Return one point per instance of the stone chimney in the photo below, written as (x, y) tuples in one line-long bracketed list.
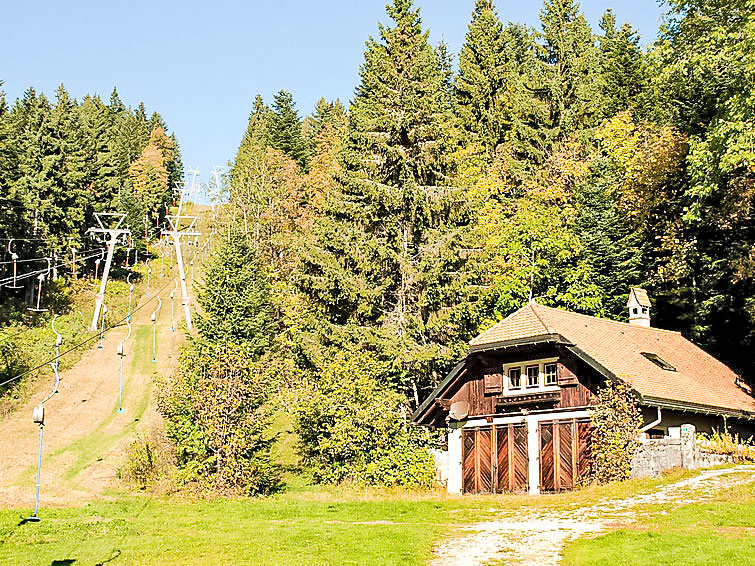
[(639, 307)]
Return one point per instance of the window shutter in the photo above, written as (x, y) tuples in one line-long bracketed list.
[(566, 376), (493, 378)]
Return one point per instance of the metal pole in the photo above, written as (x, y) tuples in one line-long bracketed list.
[(154, 338), (153, 316), (149, 273), (34, 517), (100, 297), (120, 351), (130, 294), (102, 327), (40, 278), (182, 280), (39, 418)]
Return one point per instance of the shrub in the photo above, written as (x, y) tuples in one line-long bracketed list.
[(617, 420), (216, 412), (352, 427), (727, 444), (149, 460)]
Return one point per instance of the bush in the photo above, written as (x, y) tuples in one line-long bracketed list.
[(617, 420), (216, 412), (352, 427), (727, 444), (149, 460)]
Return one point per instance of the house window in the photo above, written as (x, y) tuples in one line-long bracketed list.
[(533, 376), (659, 361), (515, 378), (551, 374)]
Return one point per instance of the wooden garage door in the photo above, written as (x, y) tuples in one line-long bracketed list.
[(494, 459), (564, 453)]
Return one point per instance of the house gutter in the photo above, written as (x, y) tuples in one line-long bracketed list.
[(697, 408), (650, 425)]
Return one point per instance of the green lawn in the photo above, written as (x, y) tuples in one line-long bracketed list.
[(349, 525), (717, 532), (276, 531), (304, 526)]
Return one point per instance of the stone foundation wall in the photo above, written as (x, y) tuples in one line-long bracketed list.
[(658, 454)]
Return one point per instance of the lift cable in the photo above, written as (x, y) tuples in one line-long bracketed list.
[(45, 258), (46, 270), (87, 341)]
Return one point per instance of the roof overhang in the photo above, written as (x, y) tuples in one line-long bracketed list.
[(428, 405), (457, 372), (696, 408), (517, 342)]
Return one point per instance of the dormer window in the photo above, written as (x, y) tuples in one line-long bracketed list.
[(531, 376)]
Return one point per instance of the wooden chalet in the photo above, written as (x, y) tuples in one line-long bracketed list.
[(517, 407)]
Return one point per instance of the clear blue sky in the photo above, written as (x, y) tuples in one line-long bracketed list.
[(200, 64)]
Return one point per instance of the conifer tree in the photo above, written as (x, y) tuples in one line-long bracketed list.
[(324, 113), (286, 129), (498, 77), (572, 68), (623, 68), (11, 207), (375, 241), (481, 85)]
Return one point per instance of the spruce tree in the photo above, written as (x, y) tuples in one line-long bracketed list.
[(376, 243), (286, 129), (496, 86), (623, 68), (481, 85), (571, 61)]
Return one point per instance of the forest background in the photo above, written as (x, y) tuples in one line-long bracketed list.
[(362, 247)]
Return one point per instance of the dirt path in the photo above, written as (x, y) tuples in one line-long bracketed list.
[(84, 436), (539, 538)]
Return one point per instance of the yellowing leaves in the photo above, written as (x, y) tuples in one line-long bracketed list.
[(149, 173), (647, 156)]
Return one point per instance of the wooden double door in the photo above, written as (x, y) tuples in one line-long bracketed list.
[(494, 459), (564, 453)]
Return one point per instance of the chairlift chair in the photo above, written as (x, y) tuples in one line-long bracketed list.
[(38, 308)]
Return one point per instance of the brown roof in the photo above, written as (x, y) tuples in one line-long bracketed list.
[(641, 295), (699, 379)]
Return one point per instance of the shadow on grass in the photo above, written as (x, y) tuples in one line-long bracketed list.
[(113, 555), (66, 562)]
